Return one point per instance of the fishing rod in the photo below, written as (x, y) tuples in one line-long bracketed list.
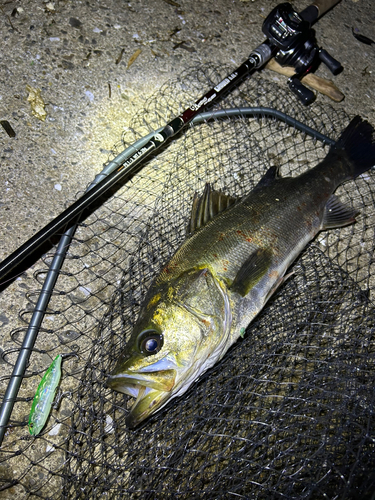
[(290, 40), (129, 167)]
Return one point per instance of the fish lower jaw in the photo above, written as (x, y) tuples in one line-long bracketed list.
[(147, 402), (150, 392)]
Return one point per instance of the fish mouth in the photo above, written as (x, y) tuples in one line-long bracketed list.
[(150, 390)]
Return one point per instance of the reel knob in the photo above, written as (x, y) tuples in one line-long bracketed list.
[(305, 95), (332, 64)]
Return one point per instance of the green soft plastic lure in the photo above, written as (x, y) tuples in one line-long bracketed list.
[(44, 397)]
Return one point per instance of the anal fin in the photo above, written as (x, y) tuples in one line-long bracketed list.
[(337, 214)]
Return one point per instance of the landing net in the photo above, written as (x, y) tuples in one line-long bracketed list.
[(289, 411)]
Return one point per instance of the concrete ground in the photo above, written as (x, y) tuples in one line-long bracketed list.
[(82, 58)]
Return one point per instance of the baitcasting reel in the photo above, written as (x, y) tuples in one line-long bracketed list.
[(291, 37)]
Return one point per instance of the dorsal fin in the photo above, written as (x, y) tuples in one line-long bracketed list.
[(207, 206), (271, 174)]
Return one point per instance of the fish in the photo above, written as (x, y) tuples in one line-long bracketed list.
[(44, 396), (235, 256)]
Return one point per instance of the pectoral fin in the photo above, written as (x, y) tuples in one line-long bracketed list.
[(251, 271), (337, 214)]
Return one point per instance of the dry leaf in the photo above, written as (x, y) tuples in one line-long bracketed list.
[(36, 103), (133, 58)]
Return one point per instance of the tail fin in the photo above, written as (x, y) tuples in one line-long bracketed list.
[(358, 142)]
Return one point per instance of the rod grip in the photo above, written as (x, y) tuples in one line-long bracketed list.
[(317, 9), (324, 5)]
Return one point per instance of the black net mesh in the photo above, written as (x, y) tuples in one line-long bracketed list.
[(288, 412)]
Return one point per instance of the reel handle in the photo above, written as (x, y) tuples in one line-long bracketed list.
[(317, 9), (332, 64), (305, 95)]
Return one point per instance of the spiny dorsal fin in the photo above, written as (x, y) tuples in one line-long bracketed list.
[(207, 206)]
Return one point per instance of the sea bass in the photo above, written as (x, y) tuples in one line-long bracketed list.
[(235, 256)]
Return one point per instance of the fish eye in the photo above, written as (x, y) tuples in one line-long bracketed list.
[(150, 342)]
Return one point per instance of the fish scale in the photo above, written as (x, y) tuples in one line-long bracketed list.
[(240, 224)]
